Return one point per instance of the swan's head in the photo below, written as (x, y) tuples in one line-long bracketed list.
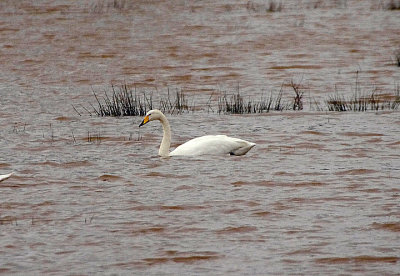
[(152, 115)]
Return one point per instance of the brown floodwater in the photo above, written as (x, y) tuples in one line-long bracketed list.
[(319, 194)]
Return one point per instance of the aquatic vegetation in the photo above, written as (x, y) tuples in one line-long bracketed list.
[(357, 102), (317, 4), (94, 138), (123, 102), (361, 101), (271, 6), (177, 105), (236, 104), (274, 6), (336, 103), (389, 5), (392, 5), (105, 5), (298, 98), (397, 57)]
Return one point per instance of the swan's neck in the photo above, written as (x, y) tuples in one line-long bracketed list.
[(166, 140)]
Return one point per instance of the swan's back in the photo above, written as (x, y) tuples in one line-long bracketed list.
[(215, 145)]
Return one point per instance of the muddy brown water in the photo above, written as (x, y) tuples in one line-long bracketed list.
[(319, 194)]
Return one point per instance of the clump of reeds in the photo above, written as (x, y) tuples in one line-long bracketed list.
[(105, 5), (362, 102), (337, 103), (177, 105), (359, 102), (298, 98), (94, 138), (315, 4), (123, 102), (273, 6), (395, 104), (327, 4), (236, 104), (392, 5), (397, 57), (118, 4), (273, 103), (277, 102)]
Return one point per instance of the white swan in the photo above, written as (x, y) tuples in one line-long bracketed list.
[(5, 176), (209, 144)]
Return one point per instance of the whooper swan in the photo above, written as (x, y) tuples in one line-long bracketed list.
[(5, 176), (209, 144)]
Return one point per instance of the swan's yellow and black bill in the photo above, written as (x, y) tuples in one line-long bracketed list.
[(145, 121)]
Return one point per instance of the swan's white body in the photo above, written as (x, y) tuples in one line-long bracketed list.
[(213, 144), (209, 144), (5, 176)]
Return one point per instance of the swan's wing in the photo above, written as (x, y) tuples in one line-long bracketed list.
[(213, 144), (5, 176)]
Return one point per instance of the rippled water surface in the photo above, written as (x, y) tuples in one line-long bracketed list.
[(319, 194)]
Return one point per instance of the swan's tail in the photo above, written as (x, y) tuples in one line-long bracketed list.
[(243, 150), (5, 176)]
